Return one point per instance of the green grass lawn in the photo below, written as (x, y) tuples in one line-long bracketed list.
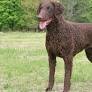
[(24, 65)]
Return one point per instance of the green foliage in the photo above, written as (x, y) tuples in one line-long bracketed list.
[(30, 7), (78, 10), (18, 14), (83, 11), (11, 14)]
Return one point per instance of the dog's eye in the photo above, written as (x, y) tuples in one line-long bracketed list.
[(48, 7)]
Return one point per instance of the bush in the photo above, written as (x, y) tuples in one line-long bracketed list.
[(11, 14)]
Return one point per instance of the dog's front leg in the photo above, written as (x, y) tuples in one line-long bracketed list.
[(68, 71), (52, 64)]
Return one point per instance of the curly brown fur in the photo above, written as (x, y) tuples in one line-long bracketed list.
[(63, 39)]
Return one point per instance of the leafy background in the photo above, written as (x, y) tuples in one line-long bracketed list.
[(19, 14)]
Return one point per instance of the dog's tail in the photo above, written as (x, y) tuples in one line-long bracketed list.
[(89, 54)]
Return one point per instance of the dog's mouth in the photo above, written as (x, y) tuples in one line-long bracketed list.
[(43, 23)]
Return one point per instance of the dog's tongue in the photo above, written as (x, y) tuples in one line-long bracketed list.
[(43, 25)]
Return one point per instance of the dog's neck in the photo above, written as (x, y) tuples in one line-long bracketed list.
[(53, 26)]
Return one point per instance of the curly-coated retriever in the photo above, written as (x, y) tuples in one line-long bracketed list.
[(63, 39)]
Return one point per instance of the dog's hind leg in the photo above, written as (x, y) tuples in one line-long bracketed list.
[(89, 54)]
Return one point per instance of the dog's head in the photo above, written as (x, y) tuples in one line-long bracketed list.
[(47, 11)]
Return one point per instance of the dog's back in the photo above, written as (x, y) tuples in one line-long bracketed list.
[(82, 36)]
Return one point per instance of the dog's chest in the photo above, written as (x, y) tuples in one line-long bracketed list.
[(53, 45), (53, 42), (56, 43), (59, 43)]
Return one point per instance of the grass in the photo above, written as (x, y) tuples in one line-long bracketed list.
[(24, 65)]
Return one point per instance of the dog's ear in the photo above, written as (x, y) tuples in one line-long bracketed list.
[(59, 8)]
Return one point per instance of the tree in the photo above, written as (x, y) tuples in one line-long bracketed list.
[(78, 10)]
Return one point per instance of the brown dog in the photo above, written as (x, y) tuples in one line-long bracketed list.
[(63, 39)]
